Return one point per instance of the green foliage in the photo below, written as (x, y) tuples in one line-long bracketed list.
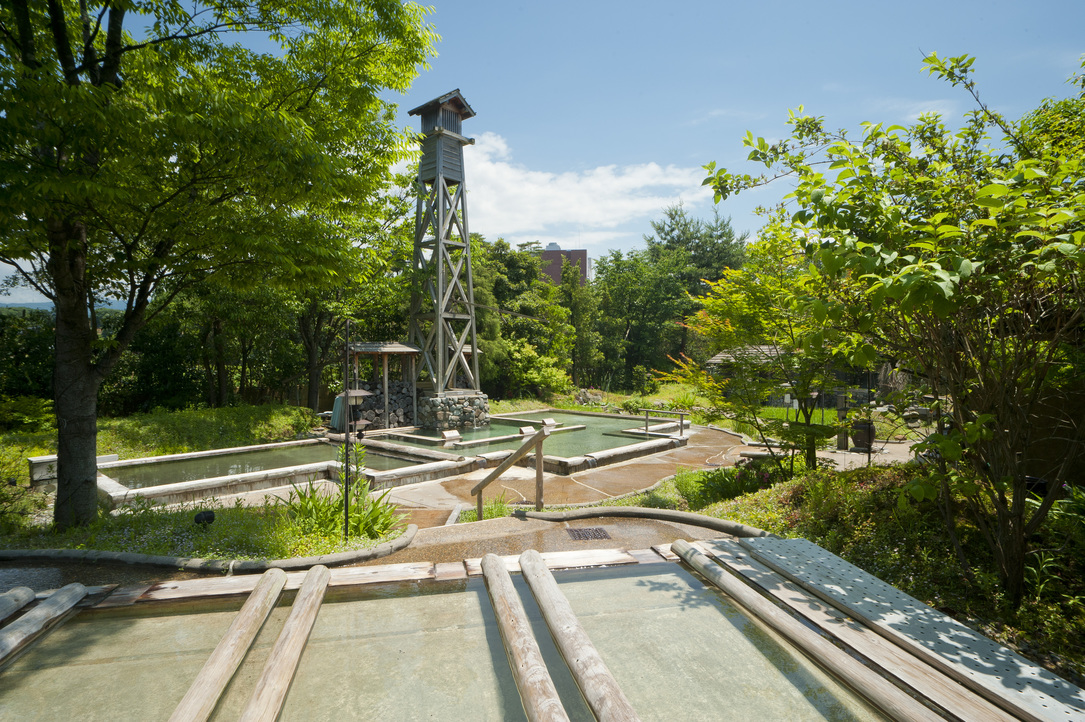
[(530, 372), (134, 168), (26, 352), (495, 508), (962, 261), (643, 382), (772, 340), (165, 432), (315, 512), (523, 331), (26, 413), (633, 405), (238, 532), (702, 488)]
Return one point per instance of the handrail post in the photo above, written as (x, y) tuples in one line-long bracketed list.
[(535, 440), (646, 423), (539, 464)]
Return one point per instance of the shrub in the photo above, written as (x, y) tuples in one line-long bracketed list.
[(701, 488), (26, 413), (633, 405), (643, 381), (315, 512)]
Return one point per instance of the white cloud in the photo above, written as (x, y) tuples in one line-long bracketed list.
[(910, 110), (604, 207)]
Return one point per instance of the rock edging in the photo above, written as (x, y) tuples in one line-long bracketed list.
[(218, 566)]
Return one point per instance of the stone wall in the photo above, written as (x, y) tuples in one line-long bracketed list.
[(453, 412), (400, 404)]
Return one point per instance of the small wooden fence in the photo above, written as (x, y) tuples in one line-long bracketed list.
[(536, 441)]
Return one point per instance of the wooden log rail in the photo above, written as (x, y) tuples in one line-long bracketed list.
[(601, 691), (204, 694), (13, 600), (892, 701), (537, 690), (536, 440), (269, 696), (54, 610)]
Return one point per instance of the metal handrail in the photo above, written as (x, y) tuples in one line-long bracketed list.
[(681, 419), (535, 440)]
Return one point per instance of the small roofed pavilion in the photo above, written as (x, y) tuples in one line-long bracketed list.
[(382, 352)]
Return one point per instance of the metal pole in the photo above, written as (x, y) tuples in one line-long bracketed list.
[(646, 423), (346, 436)]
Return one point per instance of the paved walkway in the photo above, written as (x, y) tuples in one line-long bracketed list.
[(429, 504), (706, 448)]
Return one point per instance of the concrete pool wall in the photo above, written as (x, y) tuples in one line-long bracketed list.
[(424, 463)]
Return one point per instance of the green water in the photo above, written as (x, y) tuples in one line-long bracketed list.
[(425, 650), (602, 433), (207, 467)]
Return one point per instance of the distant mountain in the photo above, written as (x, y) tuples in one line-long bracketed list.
[(40, 306), (48, 305)]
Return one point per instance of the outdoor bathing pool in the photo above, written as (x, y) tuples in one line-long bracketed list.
[(431, 650), (138, 473)]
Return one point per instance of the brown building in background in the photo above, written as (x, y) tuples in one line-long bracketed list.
[(552, 258)]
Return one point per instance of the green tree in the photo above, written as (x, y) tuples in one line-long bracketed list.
[(642, 302), (523, 331), (583, 308), (964, 263), (772, 340), (134, 167)]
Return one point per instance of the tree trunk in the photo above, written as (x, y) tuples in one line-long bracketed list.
[(219, 341), (314, 368), (75, 379)]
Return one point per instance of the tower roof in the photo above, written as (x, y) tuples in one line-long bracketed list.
[(454, 99)]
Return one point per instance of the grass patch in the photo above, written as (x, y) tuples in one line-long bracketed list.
[(177, 432), (493, 509), (270, 531)]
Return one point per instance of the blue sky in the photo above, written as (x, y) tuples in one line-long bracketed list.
[(595, 115)]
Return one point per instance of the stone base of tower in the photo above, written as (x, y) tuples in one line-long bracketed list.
[(454, 411)]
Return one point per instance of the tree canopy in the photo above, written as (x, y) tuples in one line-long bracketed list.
[(143, 148), (958, 257)]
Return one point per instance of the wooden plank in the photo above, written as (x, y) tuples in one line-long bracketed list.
[(1005, 678), (537, 690), (244, 584), (445, 571), (200, 588), (204, 693), (48, 614), (664, 550), (123, 597), (383, 574), (646, 556), (13, 600), (271, 689), (952, 697), (602, 693), (895, 703), (575, 559)]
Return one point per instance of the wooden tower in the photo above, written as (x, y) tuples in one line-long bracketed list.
[(442, 296)]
